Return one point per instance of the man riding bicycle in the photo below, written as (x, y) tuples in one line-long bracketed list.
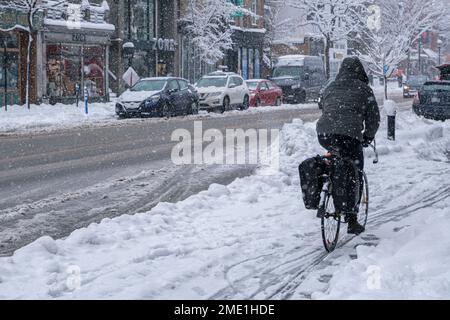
[(350, 119)]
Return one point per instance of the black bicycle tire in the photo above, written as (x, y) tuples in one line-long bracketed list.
[(329, 248), (366, 210)]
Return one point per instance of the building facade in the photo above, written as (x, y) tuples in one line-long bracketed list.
[(74, 52), (13, 57), (246, 57), (149, 27)]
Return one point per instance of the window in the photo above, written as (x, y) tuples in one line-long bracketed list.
[(251, 64), (237, 81), (263, 86), (254, 9), (93, 70), (257, 69), (183, 84), (173, 85), (270, 85), (139, 21), (245, 63)]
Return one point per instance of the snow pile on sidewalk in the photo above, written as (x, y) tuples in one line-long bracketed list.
[(44, 116), (252, 238)]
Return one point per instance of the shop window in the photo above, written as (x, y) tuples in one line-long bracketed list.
[(69, 65), (257, 64), (63, 70), (93, 70), (251, 64), (245, 63)]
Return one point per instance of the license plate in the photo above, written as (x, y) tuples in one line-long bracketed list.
[(435, 100)]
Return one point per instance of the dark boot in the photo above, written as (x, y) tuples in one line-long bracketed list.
[(353, 226)]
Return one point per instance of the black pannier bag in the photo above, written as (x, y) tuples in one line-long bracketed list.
[(311, 182)]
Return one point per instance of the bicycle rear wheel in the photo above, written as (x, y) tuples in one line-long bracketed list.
[(331, 223), (363, 211)]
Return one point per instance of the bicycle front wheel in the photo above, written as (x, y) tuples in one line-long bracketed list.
[(331, 222), (363, 211)]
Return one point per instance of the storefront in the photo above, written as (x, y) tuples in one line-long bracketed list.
[(9, 68), (75, 59), (246, 56), (13, 57)]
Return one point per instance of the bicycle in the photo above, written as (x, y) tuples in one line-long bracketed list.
[(330, 219)]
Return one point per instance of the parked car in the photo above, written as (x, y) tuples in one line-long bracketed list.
[(222, 91), (412, 85), (300, 77), (162, 97), (433, 100), (264, 93)]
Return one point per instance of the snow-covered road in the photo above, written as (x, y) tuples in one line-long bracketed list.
[(254, 239)]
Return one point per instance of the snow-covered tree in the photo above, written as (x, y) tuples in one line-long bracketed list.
[(206, 23), (334, 20), (392, 27)]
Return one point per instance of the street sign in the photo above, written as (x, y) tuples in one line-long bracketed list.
[(385, 69), (130, 77)]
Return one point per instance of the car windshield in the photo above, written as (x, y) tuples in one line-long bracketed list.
[(252, 84), (212, 82), (416, 81), (287, 71), (149, 85)]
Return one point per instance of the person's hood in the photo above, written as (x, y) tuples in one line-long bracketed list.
[(352, 68), (136, 96)]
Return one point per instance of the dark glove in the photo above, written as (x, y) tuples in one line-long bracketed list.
[(366, 141)]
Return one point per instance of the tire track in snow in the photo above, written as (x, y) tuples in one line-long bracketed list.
[(316, 257)]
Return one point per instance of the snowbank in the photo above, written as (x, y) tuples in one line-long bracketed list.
[(254, 239), (45, 117)]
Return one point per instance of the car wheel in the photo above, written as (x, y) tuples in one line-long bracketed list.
[(194, 108), (278, 102), (123, 116), (225, 105), (245, 103), (165, 110)]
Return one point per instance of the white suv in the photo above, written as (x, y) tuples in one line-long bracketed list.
[(222, 91)]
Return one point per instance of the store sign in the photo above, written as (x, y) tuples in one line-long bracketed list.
[(12, 18), (78, 37), (163, 44)]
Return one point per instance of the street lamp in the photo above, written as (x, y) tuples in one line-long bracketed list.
[(128, 52), (439, 43)]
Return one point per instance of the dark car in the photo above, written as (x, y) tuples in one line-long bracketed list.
[(160, 97), (433, 100), (300, 77), (412, 85)]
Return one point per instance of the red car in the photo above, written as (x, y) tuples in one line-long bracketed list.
[(264, 93)]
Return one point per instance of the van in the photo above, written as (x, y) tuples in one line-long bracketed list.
[(300, 77)]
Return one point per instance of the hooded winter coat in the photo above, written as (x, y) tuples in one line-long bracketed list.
[(349, 105)]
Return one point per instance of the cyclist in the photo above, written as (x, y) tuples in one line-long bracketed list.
[(350, 119)]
